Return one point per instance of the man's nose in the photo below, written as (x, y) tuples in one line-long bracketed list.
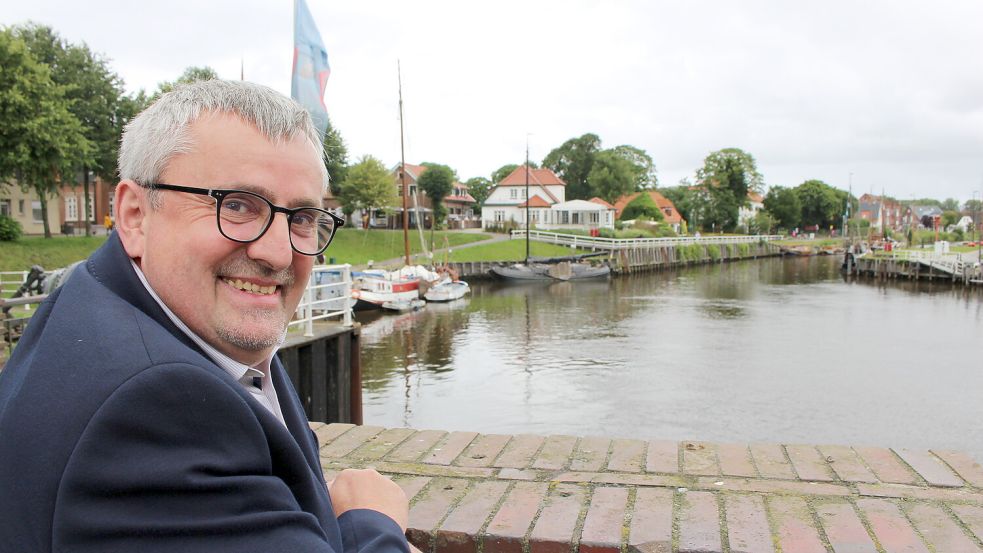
[(273, 249)]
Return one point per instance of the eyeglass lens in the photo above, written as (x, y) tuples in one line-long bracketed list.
[(244, 217)]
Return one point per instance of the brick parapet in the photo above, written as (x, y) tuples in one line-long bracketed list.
[(550, 494)]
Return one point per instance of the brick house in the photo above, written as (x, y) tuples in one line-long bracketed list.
[(670, 214)]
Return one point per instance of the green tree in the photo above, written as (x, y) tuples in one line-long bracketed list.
[(821, 205), (41, 140), (950, 204), (784, 205), (642, 164), (437, 182), (973, 207), (335, 158), (498, 175), (190, 75), (683, 198), (367, 186), (572, 162), (94, 93), (611, 177), (479, 188), (762, 223), (642, 206), (719, 167), (950, 217)]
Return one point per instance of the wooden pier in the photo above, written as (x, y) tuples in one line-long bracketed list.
[(493, 493)]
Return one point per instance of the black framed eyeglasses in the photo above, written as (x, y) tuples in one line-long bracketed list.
[(244, 217)]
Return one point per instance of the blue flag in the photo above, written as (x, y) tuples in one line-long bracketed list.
[(311, 70)]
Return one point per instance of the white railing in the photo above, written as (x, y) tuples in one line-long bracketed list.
[(10, 281), (951, 263), (328, 294), (596, 242)]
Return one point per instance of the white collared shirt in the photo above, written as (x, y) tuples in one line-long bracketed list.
[(244, 374)]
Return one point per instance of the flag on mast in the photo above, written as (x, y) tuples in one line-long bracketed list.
[(311, 69)]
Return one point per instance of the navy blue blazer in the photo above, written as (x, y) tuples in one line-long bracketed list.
[(117, 434)]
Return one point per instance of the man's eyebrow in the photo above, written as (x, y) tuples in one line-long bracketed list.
[(268, 194)]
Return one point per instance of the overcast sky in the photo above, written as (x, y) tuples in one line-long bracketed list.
[(890, 91)]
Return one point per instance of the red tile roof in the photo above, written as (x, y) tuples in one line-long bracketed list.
[(536, 201), (755, 197), (673, 217), (597, 200), (543, 177)]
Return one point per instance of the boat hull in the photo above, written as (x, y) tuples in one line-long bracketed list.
[(447, 291), (543, 272)]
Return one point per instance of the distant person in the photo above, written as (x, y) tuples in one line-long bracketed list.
[(107, 222), (144, 409)]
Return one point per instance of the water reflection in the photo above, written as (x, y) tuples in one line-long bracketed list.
[(767, 350)]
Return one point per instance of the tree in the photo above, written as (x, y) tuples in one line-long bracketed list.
[(572, 162), (94, 93), (973, 207), (642, 206), (190, 75), (479, 188), (784, 205), (41, 139), (950, 217), (821, 205), (762, 223), (643, 166), (437, 182), (367, 186), (335, 158), (950, 204), (611, 176), (719, 166), (726, 177), (498, 175), (683, 198)]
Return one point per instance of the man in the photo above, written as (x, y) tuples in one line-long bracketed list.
[(143, 410)]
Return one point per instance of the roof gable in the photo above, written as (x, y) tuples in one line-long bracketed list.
[(542, 176)]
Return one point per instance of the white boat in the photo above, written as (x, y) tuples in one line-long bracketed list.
[(447, 290), (371, 289), (403, 306)]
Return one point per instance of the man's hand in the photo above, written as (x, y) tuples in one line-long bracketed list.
[(367, 489)]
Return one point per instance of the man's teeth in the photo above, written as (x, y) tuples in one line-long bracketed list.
[(250, 287)]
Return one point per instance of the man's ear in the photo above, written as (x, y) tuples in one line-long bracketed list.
[(132, 210)]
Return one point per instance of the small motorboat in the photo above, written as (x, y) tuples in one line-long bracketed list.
[(447, 290)]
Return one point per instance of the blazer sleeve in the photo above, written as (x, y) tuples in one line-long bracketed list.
[(175, 460)]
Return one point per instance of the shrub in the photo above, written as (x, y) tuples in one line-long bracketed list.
[(608, 233), (642, 206), (713, 251), (744, 250), (10, 229)]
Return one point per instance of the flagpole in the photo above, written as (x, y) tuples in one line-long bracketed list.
[(402, 171)]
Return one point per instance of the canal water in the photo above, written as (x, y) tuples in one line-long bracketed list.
[(773, 350)]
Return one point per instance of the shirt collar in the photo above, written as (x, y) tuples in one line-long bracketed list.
[(239, 371)]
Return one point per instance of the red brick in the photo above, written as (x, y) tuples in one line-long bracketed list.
[(507, 530), (518, 474), (553, 532), (963, 464), (809, 465), (349, 441), (604, 522), (844, 529), (972, 517), (520, 451), (759, 485), (663, 456), (735, 460), (591, 454), (411, 485), (626, 455), (747, 524), (699, 523), (930, 468), (431, 506), (327, 433), (939, 530), (794, 525), (886, 465), (416, 445), (846, 464), (459, 531), (700, 458), (555, 453), (450, 448), (651, 521), (483, 450), (891, 527), (771, 462), (379, 445), (901, 491)]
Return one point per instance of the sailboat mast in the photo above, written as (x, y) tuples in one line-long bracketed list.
[(402, 170), (527, 199)]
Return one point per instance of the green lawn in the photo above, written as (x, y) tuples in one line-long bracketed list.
[(50, 253), (509, 250)]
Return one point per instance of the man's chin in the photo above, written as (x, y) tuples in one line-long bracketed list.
[(256, 337)]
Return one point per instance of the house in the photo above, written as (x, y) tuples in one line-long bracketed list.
[(25, 208), (547, 205), (670, 214), (459, 203), (923, 216), (882, 212), (746, 213), (70, 205)]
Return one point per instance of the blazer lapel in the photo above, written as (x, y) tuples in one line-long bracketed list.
[(294, 416)]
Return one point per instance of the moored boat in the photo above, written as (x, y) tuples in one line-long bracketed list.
[(447, 290), (564, 270)]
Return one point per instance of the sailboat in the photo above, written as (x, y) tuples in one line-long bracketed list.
[(573, 267)]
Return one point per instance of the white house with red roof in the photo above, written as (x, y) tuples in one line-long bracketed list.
[(548, 208), (755, 203)]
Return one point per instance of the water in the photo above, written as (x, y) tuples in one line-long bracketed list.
[(779, 351)]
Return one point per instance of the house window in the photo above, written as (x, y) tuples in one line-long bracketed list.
[(594, 217), (20, 206), (667, 211), (499, 215), (5, 207), (513, 193), (71, 208), (112, 206), (36, 209), (576, 218), (564, 217), (412, 190), (523, 192)]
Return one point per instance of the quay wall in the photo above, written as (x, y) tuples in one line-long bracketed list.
[(884, 269), (653, 258)]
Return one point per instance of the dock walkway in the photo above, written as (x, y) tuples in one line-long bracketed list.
[(493, 493)]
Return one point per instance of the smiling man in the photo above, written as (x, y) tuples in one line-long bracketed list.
[(144, 409)]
